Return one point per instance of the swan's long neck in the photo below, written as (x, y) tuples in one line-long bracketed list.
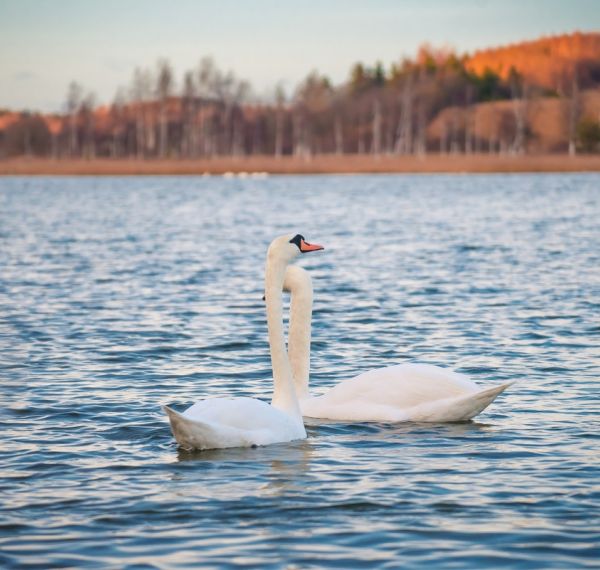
[(284, 395), (299, 284)]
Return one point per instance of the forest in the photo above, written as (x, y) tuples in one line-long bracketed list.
[(541, 96)]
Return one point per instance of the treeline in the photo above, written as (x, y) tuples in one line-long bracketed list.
[(431, 103)]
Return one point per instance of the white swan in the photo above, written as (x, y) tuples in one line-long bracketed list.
[(246, 422), (406, 392)]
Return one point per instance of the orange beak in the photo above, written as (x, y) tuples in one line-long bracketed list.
[(306, 247)]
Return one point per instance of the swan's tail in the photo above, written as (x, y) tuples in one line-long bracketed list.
[(190, 434), (458, 409), (475, 403)]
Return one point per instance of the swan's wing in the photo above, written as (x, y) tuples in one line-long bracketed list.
[(196, 434), (350, 411), (407, 392), (243, 413), (232, 422), (457, 409), (401, 386), (453, 409)]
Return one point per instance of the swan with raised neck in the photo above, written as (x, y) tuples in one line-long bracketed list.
[(404, 392), (245, 422)]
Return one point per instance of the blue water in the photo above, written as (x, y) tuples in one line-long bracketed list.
[(119, 295)]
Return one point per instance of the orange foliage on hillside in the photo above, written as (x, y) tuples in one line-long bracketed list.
[(547, 62), (7, 119)]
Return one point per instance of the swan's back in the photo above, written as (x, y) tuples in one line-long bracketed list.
[(403, 385), (232, 422), (386, 394), (406, 392), (238, 412)]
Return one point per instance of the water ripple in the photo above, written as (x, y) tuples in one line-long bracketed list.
[(119, 295)]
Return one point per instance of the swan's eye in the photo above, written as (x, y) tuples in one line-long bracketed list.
[(297, 241)]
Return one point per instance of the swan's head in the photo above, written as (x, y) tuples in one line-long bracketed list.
[(287, 247)]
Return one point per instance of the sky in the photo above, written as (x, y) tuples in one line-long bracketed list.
[(45, 44)]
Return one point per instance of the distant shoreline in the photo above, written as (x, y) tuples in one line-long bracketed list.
[(321, 164)]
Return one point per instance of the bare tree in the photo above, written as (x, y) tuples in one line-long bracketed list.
[(298, 131), (118, 124), (188, 121), (224, 89), (404, 132), (164, 89), (240, 94), (444, 138), (339, 134), (140, 94), (279, 118), (27, 136), (258, 124), (421, 142), (74, 95), (89, 125), (519, 95), (207, 79), (468, 119), (574, 109), (476, 137), (454, 126), (376, 134)]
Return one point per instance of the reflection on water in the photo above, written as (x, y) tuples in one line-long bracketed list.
[(119, 295)]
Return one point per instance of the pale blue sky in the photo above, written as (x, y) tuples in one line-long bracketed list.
[(44, 44)]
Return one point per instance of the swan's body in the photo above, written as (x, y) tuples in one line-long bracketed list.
[(247, 422), (233, 422), (406, 392)]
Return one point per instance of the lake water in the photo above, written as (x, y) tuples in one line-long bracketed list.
[(119, 295)]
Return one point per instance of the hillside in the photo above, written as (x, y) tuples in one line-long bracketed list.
[(547, 62), (491, 123)]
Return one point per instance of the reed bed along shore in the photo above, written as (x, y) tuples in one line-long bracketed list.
[(321, 164)]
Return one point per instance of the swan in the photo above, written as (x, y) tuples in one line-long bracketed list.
[(404, 392), (247, 422)]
